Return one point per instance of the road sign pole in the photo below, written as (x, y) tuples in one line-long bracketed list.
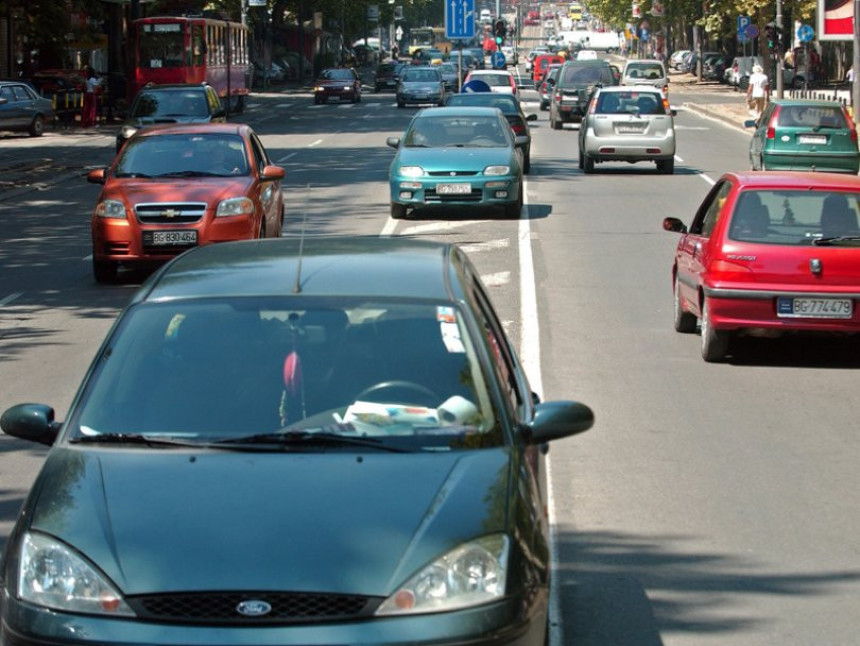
[(780, 82)]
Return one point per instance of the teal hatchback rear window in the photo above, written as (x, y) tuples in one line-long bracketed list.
[(803, 116)]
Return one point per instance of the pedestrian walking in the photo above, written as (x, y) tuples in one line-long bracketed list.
[(758, 91), (88, 115)]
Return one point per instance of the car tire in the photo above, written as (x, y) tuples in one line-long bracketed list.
[(104, 271), (377, 89), (683, 322), (37, 128), (715, 343), (527, 162), (400, 104), (666, 166), (588, 165), (513, 211), (398, 211), (317, 100), (555, 125), (581, 160)]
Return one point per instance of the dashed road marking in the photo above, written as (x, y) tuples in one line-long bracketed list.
[(11, 297)]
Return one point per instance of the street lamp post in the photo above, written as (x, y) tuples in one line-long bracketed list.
[(780, 81)]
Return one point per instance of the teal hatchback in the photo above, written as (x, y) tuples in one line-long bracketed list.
[(293, 442), (460, 158), (805, 135)]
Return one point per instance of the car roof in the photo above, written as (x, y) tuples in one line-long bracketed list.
[(631, 88), (169, 87), (329, 266), (491, 73), (794, 180), (495, 99), (811, 103), (194, 128), (458, 111)]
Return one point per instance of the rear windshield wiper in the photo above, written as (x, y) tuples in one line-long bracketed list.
[(309, 438), (834, 240), (130, 438)]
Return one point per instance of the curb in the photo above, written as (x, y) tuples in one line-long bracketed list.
[(715, 113)]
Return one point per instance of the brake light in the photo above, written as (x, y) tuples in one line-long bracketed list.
[(592, 107), (518, 128), (852, 127), (665, 90), (771, 126), (558, 95), (666, 106)]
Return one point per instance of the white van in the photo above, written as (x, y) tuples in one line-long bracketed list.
[(486, 16)]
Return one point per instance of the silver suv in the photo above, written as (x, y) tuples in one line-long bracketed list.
[(646, 72), (629, 124)]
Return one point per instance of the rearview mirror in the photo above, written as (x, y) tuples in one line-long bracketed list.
[(531, 117), (394, 142), (750, 123)]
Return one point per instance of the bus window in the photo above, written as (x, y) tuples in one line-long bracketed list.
[(160, 45), (198, 46)]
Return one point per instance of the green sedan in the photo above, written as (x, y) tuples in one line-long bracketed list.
[(457, 158), (804, 135)]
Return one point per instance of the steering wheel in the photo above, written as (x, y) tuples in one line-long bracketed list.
[(399, 383)]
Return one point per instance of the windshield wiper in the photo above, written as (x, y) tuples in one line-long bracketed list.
[(132, 174), (130, 438), (834, 239), (187, 173), (290, 437)]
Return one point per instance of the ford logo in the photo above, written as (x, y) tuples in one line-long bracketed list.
[(254, 608)]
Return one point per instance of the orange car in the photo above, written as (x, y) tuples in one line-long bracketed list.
[(179, 186), (541, 64)]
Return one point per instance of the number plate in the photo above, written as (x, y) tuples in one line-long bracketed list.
[(183, 238), (819, 308), (811, 139), (629, 130), (453, 189)]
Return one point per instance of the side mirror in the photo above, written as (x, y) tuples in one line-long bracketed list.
[(750, 123), (522, 141), (531, 117), (97, 176), (32, 422), (273, 172), (558, 419), (393, 142), (674, 224)]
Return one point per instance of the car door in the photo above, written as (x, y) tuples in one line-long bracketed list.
[(760, 136), (694, 248), (13, 114), (269, 191)]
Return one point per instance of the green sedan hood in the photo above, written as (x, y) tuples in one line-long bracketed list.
[(175, 520), (450, 159)]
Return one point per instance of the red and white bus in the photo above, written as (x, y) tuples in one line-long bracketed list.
[(169, 49)]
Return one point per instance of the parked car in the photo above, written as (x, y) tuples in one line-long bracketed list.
[(461, 158), (714, 69), (501, 81), (165, 104), (691, 61), (576, 81), (23, 110), (741, 69), (511, 109), (407, 473), (386, 76), (180, 186), (420, 84), (273, 74), (677, 58), (547, 85), (803, 134), (628, 124), (341, 83), (768, 254), (646, 72)]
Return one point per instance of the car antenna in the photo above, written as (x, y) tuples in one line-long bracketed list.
[(297, 288)]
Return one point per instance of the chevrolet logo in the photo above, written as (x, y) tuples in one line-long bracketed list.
[(170, 213)]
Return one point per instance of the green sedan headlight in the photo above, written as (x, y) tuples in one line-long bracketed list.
[(497, 170), (235, 206), (469, 575), (110, 209), (411, 171), (52, 575)]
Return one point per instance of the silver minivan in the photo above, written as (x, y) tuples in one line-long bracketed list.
[(646, 72)]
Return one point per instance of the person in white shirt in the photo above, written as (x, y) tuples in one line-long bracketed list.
[(758, 91)]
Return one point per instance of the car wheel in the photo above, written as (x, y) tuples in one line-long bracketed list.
[(527, 162), (588, 165), (715, 343), (398, 211), (684, 322), (555, 125), (377, 89), (400, 104), (37, 128), (104, 271), (666, 166), (581, 160), (514, 210), (317, 100)]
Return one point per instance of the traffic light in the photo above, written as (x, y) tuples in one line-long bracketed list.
[(770, 30), (500, 30)]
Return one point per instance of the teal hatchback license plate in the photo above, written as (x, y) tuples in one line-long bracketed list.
[(822, 308), (454, 189)]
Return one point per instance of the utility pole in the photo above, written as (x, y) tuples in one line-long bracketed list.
[(777, 42)]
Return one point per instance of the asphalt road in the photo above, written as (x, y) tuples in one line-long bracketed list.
[(710, 504)]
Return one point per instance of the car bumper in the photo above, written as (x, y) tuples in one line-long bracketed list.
[(419, 98), (757, 309), (629, 149), (334, 94), (570, 110), (823, 161), (501, 623), (119, 241), (485, 191)]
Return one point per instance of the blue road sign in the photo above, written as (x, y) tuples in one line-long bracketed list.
[(498, 60), (805, 33), (475, 86), (459, 18), (752, 32)]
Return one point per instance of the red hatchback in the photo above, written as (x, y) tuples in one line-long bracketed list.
[(178, 186), (768, 253)]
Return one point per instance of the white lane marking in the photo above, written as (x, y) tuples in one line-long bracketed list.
[(11, 297), (507, 326), (389, 228), (435, 226), (707, 179), (316, 143), (691, 128), (679, 160), (489, 245), (284, 105), (284, 158), (497, 279)]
